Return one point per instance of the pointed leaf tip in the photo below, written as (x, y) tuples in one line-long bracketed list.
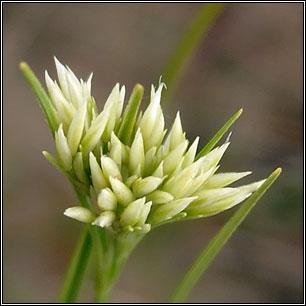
[(41, 95), (277, 171), (23, 66), (216, 138)]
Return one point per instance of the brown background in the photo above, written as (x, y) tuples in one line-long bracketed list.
[(252, 58)]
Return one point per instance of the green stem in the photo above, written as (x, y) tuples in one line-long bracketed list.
[(199, 28), (117, 249), (100, 248), (76, 269), (215, 245)]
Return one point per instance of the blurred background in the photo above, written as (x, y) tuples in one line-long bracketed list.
[(252, 58)]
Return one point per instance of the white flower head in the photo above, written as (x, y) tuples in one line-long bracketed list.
[(120, 160)]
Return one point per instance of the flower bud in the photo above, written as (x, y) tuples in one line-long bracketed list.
[(157, 135), (215, 205), (107, 200), (75, 88), (78, 167), (177, 135), (110, 168), (212, 201), (251, 187), (130, 180), (105, 219), (65, 110), (145, 210), (97, 176), (136, 153), (63, 149), (150, 161), (179, 182), (113, 98), (174, 157), (199, 181), (61, 74), (120, 102), (191, 153), (123, 194), (111, 106), (80, 213), (131, 213), (95, 132), (159, 197), (147, 123), (159, 171), (76, 128), (214, 156), (144, 186), (115, 152), (88, 83), (167, 211), (223, 179), (207, 196)]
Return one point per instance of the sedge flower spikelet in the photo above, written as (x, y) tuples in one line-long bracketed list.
[(134, 174)]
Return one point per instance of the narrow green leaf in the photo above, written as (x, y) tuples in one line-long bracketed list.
[(41, 95), (197, 31), (76, 269), (211, 144), (215, 245), (129, 116)]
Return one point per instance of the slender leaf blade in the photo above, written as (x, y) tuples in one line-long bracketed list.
[(215, 245), (76, 269), (130, 114), (41, 95), (216, 138), (197, 31)]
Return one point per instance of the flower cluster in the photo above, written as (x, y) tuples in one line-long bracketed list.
[(132, 172)]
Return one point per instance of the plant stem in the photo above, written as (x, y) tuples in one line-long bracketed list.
[(76, 269), (215, 245), (117, 249), (111, 252), (199, 28), (75, 273), (102, 261)]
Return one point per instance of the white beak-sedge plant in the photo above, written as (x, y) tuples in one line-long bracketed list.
[(131, 175)]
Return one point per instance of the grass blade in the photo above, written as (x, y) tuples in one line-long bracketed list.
[(129, 117), (215, 245), (41, 95), (211, 144), (76, 269), (199, 28)]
